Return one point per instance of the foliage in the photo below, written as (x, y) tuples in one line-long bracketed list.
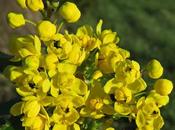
[(133, 20)]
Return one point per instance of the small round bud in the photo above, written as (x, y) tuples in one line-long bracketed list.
[(155, 69), (70, 12), (15, 20), (35, 5), (55, 4), (46, 30), (163, 87)]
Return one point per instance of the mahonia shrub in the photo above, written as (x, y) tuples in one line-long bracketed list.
[(66, 79)]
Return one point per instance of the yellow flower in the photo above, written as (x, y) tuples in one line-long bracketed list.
[(77, 54), (70, 12), (123, 94), (97, 104), (127, 71), (22, 47), (33, 104), (107, 36), (22, 3), (46, 30), (61, 46), (157, 98), (68, 83), (109, 56), (86, 39), (163, 86), (155, 69), (111, 85), (35, 5), (15, 20), (148, 115), (65, 115), (40, 122)]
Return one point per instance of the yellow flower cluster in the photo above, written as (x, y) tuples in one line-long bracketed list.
[(65, 78)]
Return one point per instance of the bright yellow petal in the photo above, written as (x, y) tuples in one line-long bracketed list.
[(60, 127), (140, 119)]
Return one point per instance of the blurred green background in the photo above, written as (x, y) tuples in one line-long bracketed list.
[(146, 28)]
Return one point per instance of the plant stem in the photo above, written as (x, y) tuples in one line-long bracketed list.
[(31, 22), (60, 26)]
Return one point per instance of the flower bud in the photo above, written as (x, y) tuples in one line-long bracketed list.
[(55, 4), (35, 5), (97, 74), (163, 87), (70, 12), (22, 3), (15, 20), (155, 69), (46, 30)]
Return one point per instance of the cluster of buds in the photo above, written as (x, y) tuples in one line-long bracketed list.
[(65, 78)]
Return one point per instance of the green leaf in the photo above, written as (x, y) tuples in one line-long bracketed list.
[(7, 126)]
